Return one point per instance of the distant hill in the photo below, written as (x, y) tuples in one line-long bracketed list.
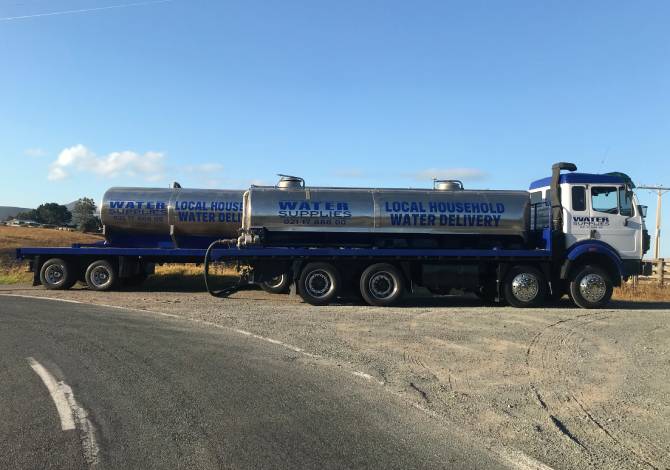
[(7, 211)]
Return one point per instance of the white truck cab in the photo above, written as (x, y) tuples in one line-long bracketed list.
[(596, 222)]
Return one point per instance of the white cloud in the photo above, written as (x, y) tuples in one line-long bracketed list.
[(35, 152), (149, 165), (56, 173), (465, 174)]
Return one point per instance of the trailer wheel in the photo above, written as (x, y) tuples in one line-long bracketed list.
[(319, 283), (57, 274), (525, 286), (382, 285), (277, 285), (591, 287), (101, 275)]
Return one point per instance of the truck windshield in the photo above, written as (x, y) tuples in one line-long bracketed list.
[(604, 199)]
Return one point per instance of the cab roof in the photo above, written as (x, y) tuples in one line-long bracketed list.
[(576, 178)]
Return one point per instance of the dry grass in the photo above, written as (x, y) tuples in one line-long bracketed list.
[(189, 277), (16, 237), (11, 238), (643, 292), (14, 275)]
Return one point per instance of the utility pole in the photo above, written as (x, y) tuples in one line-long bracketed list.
[(660, 190)]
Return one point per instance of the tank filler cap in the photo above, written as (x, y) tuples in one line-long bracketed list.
[(447, 185), (290, 182)]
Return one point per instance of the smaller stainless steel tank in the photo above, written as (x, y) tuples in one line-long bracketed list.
[(176, 216)]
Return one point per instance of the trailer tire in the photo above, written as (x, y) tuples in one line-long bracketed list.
[(277, 285), (591, 287), (525, 286), (382, 285), (319, 283), (57, 274), (101, 275)]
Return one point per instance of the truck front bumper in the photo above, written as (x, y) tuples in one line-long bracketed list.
[(636, 267)]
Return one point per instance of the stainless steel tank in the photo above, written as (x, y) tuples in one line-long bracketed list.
[(387, 211), (175, 216)]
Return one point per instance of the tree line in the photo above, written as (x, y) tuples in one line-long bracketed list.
[(83, 215)]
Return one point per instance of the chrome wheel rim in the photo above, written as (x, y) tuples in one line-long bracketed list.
[(318, 284), (593, 287), (382, 285), (275, 281), (525, 287), (54, 274), (100, 276)]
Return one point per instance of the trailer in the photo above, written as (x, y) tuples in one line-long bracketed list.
[(572, 233)]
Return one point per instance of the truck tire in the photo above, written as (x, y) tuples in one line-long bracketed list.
[(382, 285), (525, 286), (57, 274), (591, 287), (101, 275), (277, 285), (319, 283)]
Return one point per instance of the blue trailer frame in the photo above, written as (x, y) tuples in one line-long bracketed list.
[(196, 255)]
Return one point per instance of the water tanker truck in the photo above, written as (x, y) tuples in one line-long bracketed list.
[(571, 233)]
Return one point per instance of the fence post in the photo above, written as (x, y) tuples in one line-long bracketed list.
[(660, 267)]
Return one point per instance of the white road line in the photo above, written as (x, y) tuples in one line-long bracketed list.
[(368, 377), (72, 414), (57, 395), (521, 461), (178, 317), (42, 298)]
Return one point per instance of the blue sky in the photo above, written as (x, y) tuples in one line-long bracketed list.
[(378, 93)]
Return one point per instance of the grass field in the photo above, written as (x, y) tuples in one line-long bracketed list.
[(11, 238), (12, 271), (189, 277)]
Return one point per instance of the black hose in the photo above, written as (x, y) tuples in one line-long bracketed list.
[(227, 290)]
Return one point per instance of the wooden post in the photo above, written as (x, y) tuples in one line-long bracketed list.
[(660, 266), (657, 238)]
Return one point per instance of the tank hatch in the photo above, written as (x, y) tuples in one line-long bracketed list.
[(290, 182), (447, 185)]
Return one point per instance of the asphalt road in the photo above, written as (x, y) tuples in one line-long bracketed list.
[(167, 393)]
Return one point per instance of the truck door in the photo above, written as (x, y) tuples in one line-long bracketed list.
[(612, 219), (577, 227)]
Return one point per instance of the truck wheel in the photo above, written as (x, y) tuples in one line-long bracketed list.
[(382, 285), (277, 285), (591, 287), (319, 283), (57, 274), (101, 275), (525, 286)]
